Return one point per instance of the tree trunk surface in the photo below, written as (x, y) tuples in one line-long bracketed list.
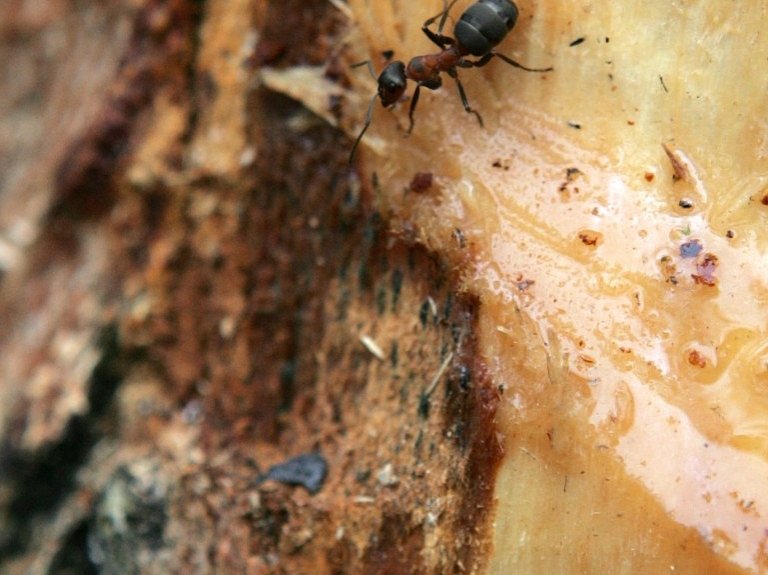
[(216, 356), (528, 338)]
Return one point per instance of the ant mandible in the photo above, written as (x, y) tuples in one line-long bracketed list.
[(481, 27)]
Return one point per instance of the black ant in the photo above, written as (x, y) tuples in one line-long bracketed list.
[(481, 27)]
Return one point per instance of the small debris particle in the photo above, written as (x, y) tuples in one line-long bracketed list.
[(574, 125), (705, 269), (685, 204), (386, 476), (729, 234), (435, 380), (432, 305), (649, 176), (421, 182), (463, 376), (764, 200), (387, 54), (307, 470), (524, 284), (690, 249), (590, 237), (663, 85), (372, 346), (678, 165), (459, 235), (631, 122), (696, 359), (572, 173), (576, 42)]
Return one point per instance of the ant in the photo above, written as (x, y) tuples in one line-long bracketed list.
[(481, 27)]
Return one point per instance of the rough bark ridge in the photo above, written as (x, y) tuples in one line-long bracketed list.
[(197, 289)]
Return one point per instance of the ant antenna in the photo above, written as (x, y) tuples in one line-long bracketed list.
[(367, 122), (444, 17), (367, 63)]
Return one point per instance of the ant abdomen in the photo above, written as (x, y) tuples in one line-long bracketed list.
[(484, 25)]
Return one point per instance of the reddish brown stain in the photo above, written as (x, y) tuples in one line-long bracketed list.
[(421, 182), (696, 359), (705, 270), (590, 238)]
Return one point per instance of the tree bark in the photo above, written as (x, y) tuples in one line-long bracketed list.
[(218, 357)]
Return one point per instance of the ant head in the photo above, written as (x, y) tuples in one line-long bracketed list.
[(392, 83)]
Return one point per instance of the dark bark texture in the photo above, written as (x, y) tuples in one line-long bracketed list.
[(195, 289)]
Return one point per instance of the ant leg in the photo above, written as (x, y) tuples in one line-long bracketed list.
[(438, 38), (365, 63), (464, 63), (365, 127), (444, 14), (487, 58), (414, 101), (452, 73), (518, 65)]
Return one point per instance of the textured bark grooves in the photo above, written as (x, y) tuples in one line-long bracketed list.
[(206, 291)]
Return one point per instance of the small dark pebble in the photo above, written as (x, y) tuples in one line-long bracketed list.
[(308, 470)]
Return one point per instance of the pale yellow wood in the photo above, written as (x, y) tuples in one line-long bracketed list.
[(635, 411)]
